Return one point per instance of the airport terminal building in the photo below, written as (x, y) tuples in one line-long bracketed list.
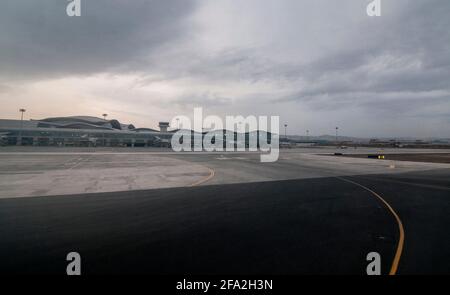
[(81, 131), (85, 131)]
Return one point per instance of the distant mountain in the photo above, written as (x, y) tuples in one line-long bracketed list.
[(332, 138), (326, 138)]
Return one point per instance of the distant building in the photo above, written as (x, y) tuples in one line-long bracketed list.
[(79, 131)]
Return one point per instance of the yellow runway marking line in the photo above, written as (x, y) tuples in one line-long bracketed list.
[(401, 239), (201, 181)]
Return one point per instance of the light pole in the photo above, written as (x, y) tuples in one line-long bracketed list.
[(104, 138), (21, 125), (337, 128), (285, 131), (21, 117)]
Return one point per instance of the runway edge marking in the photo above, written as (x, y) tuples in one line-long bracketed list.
[(401, 239)]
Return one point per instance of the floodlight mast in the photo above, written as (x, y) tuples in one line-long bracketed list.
[(22, 111)]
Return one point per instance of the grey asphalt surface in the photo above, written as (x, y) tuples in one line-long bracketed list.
[(298, 226), (40, 171)]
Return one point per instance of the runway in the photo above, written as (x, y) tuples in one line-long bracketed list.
[(300, 215)]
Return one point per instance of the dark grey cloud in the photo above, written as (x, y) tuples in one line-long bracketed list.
[(323, 57), (406, 50), (38, 39), (400, 64)]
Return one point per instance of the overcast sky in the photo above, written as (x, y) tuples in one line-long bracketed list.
[(315, 63)]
